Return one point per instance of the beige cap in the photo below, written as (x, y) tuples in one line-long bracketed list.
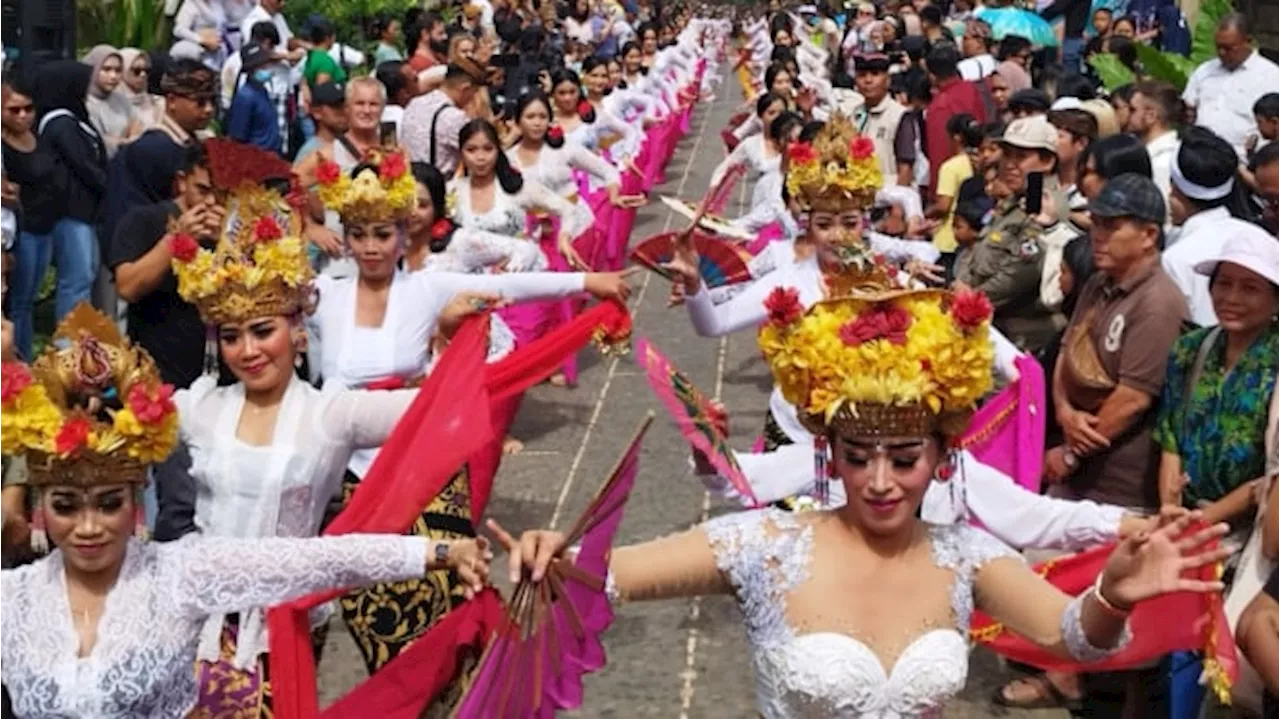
[(1104, 114), (1032, 133)]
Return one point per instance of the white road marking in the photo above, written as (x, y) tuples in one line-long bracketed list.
[(613, 364)]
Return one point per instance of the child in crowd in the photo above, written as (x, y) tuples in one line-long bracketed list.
[(1265, 112)]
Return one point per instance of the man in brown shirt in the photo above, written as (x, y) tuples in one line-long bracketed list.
[(1109, 374)]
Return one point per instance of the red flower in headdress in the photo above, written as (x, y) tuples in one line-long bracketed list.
[(183, 247), (151, 408), (555, 134), (970, 308), (14, 377), (71, 436), (886, 322), (328, 172), (392, 167), (585, 109), (441, 228), (267, 229), (783, 306), (862, 147), (802, 152)]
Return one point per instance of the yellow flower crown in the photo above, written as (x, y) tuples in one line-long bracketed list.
[(383, 189), (93, 413), (837, 172), (895, 363), (259, 265)]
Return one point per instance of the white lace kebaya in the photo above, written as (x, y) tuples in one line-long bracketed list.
[(142, 663), (871, 654)]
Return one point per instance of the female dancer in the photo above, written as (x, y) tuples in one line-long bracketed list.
[(106, 625), (380, 326), (577, 116), (269, 451), (896, 644)]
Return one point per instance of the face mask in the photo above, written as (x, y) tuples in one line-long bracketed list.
[(262, 75)]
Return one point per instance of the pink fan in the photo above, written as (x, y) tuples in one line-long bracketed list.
[(551, 635), (692, 413)]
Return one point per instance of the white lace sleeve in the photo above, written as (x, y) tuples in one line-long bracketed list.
[(589, 162), (745, 309), (765, 554), (734, 159), (1078, 644), (516, 286), (759, 266), (535, 196), (474, 250), (219, 575)]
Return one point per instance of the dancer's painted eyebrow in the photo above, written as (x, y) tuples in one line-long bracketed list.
[(890, 446)]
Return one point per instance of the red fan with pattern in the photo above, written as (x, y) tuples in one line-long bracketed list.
[(720, 263)]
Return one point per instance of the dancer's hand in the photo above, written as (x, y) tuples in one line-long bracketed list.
[(629, 202), (533, 552), (926, 271), (676, 298), (571, 255), (1150, 564), (324, 238), (7, 352), (470, 558), (609, 285), (462, 306)]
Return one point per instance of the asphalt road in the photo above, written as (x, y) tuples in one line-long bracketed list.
[(675, 659)]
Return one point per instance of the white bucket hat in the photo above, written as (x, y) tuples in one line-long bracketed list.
[(1251, 247)]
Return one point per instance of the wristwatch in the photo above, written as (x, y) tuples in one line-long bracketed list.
[(1070, 459), (442, 554)]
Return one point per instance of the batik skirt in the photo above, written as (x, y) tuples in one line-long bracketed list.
[(227, 692), (385, 618)]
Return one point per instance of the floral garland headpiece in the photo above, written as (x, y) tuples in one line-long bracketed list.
[(887, 363), (836, 172), (94, 412), (258, 266), (382, 189)]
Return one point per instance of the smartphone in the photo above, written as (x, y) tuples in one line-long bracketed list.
[(1035, 192), (387, 134)]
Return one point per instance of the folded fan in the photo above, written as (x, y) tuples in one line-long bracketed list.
[(692, 413), (551, 635), (719, 263)]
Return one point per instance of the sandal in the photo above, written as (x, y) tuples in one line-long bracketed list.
[(1045, 696)]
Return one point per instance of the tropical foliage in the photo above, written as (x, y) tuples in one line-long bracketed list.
[(1169, 67), (122, 23)]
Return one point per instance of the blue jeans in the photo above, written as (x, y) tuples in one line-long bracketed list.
[(32, 254), (1073, 54), (75, 254)]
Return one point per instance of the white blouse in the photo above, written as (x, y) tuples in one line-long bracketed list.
[(280, 489), (554, 170), (142, 663), (353, 356), (509, 212)]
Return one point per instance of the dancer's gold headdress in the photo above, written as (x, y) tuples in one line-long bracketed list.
[(837, 172), (258, 266), (383, 189), (92, 413), (889, 363)]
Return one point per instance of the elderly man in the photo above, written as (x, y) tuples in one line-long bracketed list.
[(1222, 91), (1114, 353)]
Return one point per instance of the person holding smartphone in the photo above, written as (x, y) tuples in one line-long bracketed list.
[(1007, 261)]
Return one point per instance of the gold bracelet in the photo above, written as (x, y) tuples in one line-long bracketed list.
[(1107, 606)]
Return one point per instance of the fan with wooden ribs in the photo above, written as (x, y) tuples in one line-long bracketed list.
[(534, 664)]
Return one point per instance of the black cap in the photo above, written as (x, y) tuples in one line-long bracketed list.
[(875, 62), (328, 94), (254, 56), (1030, 98), (1130, 195)]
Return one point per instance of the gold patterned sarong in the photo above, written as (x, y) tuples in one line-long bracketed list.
[(385, 618)]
